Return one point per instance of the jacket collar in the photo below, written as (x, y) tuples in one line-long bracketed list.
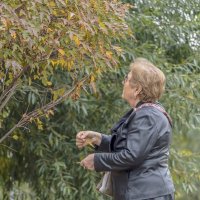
[(125, 119), (139, 104)]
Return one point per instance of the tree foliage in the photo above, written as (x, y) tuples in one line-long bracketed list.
[(42, 163), (40, 38)]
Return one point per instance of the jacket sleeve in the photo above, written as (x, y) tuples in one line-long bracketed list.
[(105, 144), (142, 135)]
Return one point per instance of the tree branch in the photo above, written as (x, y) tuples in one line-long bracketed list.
[(9, 132), (9, 95), (26, 118), (9, 91)]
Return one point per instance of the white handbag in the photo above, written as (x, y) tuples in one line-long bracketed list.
[(105, 184)]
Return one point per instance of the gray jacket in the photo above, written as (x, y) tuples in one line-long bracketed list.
[(137, 155)]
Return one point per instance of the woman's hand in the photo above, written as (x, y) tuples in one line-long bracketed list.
[(84, 138), (88, 162)]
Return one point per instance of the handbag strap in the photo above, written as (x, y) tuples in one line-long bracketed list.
[(158, 108)]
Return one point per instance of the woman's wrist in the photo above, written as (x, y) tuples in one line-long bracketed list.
[(98, 138)]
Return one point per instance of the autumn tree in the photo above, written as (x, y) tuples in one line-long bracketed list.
[(40, 38)]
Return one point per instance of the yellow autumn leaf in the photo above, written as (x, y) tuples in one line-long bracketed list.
[(40, 127), (98, 71), (89, 142), (58, 93), (186, 153), (31, 119), (52, 4), (1, 75), (29, 81), (49, 30), (35, 77), (40, 112), (10, 76), (15, 137), (61, 51), (51, 112), (92, 78), (61, 62), (61, 91), (190, 96), (76, 40), (49, 83), (70, 64), (54, 12), (39, 124), (102, 25), (53, 62), (109, 54), (117, 48)]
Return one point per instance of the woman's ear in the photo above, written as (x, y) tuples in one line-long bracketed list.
[(138, 89)]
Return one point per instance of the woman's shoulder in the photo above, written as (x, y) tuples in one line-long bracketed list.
[(151, 113)]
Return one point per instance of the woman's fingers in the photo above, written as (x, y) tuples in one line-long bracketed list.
[(84, 138), (79, 140), (88, 162), (81, 135), (80, 144)]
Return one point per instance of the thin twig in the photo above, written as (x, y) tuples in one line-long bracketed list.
[(6, 91), (8, 147), (10, 93), (9, 132)]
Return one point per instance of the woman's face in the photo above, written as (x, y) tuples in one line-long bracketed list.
[(130, 93)]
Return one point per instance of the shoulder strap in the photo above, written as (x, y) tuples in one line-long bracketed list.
[(158, 108)]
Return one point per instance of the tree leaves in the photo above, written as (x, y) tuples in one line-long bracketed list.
[(51, 51)]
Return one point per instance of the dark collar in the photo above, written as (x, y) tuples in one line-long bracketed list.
[(139, 104)]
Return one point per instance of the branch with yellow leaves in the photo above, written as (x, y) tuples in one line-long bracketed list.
[(42, 111)]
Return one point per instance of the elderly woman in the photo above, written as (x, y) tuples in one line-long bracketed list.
[(136, 153)]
